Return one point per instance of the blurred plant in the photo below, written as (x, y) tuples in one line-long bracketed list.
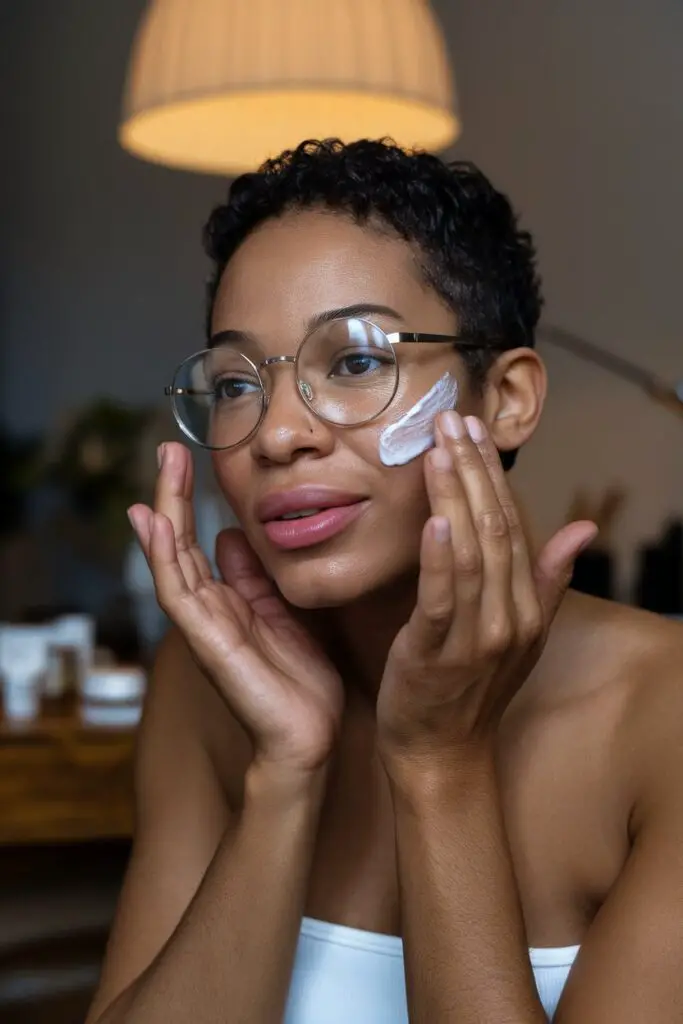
[(97, 465)]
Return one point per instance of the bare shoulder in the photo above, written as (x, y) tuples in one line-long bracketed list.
[(601, 642), (181, 694), (637, 656), (610, 681), (651, 662), (593, 744), (643, 650)]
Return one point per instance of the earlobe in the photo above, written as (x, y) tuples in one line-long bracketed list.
[(515, 393)]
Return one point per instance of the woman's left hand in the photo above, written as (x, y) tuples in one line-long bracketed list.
[(483, 609)]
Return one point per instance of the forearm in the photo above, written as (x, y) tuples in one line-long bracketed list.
[(231, 956), (465, 945)]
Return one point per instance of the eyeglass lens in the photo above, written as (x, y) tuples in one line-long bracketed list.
[(345, 372)]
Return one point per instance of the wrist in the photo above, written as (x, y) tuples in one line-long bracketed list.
[(430, 778), (279, 784)]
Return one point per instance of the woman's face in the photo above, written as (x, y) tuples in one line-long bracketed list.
[(287, 272)]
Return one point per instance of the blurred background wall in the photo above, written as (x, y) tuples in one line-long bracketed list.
[(574, 108)]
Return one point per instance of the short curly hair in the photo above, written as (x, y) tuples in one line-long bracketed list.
[(464, 232)]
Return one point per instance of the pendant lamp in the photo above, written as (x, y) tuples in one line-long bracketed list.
[(219, 85)]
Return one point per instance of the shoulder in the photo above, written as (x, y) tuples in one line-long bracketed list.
[(639, 657), (640, 650), (612, 641), (183, 711), (632, 663), (614, 673), (652, 725)]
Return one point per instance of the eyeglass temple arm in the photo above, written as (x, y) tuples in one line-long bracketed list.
[(459, 340), (658, 390), (169, 390)]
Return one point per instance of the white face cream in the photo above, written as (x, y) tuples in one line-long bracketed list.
[(413, 433)]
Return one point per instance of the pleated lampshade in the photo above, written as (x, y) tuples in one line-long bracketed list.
[(220, 85)]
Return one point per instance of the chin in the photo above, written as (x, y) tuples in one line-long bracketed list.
[(317, 581)]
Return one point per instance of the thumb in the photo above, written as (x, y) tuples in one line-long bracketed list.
[(555, 564), (241, 568)]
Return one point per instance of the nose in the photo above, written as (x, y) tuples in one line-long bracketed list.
[(289, 430)]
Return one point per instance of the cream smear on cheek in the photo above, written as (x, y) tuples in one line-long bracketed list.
[(413, 433)]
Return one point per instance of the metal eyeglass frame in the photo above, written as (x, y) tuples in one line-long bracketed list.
[(393, 338)]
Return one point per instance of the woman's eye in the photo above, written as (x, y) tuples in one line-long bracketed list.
[(356, 364), (233, 387)]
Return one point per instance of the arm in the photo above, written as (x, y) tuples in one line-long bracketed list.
[(466, 952), (478, 627), (209, 915), (465, 946), (630, 968)]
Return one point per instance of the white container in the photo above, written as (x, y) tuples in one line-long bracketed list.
[(114, 684), (21, 699), (24, 653), (113, 696)]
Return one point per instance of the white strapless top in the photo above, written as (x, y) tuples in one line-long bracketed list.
[(347, 976)]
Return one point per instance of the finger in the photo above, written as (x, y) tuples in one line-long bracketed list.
[(169, 578), (555, 564), (447, 500), (140, 517), (525, 599), (157, 540), (435, 607), (173, 498), (491, 527), (242, 570)]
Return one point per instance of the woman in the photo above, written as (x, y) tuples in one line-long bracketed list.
[(388, 719)]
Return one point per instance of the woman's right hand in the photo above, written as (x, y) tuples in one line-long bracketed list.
[(275, 679)]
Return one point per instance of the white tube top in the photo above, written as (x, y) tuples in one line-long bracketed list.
[(346, 976)]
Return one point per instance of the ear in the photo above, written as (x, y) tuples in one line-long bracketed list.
[(514, 395)]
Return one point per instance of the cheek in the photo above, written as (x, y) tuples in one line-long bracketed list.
[(399, 492), (412, 433), (406, 431), (232, 474)]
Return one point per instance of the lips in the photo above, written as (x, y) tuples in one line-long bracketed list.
[(302, 499), (327, 513)]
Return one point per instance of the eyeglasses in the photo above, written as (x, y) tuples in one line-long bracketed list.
[(346, 373)]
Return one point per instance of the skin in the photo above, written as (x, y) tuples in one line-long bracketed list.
[(495, 727)]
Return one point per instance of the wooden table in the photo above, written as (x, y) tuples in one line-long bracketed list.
[(64, 781)]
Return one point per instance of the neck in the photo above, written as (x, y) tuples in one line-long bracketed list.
[(358, 636)]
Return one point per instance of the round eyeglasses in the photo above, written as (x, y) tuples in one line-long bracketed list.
[(346, 373)]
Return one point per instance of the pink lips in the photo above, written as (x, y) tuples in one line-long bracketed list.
[(336, 511)]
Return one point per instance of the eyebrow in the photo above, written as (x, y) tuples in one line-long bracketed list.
[(357, 310)]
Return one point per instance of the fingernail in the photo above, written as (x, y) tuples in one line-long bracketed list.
[(131, 519), (453, 425), (441, 529), (475, 428), (441, 460), (160, 454)]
